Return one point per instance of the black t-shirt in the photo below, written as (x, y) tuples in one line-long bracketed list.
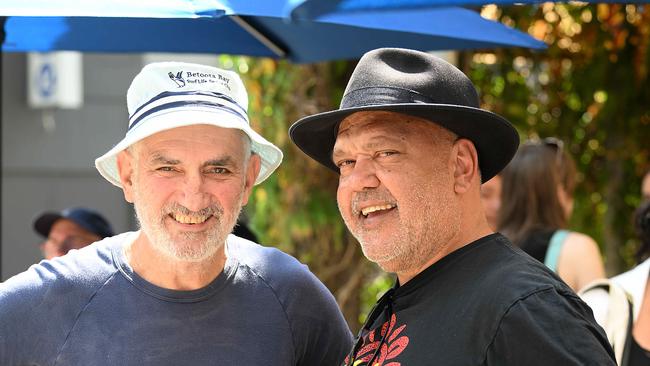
[(485, 304)]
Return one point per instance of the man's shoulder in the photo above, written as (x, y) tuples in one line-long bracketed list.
[(309, 307), (523, 296), (79, 272), (505, 273), (41, 305), (510, 279), (276, 269), (266, 261), (499, 256)]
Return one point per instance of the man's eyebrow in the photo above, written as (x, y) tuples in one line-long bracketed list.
[(222, 161), (158, 158), (372, 143), (336, 151)]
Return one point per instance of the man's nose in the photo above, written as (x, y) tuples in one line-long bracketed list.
[(364, 174), (194, 192)]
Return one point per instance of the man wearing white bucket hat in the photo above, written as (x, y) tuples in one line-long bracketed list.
[(181, 290)]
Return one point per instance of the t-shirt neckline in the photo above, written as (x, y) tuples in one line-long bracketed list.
[(165, 294), (430, 272)]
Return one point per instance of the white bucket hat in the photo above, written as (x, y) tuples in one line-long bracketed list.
[(167, 95)]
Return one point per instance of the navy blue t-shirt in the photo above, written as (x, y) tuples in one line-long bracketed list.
[(90, 308)]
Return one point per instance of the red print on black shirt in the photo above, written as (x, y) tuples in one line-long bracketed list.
[(388, 340)]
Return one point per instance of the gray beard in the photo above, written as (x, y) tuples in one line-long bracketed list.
[(187, 246), (418, 238)]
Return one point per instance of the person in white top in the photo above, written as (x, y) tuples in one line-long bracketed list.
[(631, 346)]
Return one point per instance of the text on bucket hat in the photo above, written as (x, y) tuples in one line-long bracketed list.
[(166, 95), (418, 84), (88, 219)]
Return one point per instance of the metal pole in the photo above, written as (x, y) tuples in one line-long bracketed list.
[(279, 52), (2, 41)]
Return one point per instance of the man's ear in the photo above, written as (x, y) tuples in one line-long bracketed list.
[(466, 168), (254, 165), (125, 167)]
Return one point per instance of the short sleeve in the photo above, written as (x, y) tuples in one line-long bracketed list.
[(38, 307), (321, 335), (549, 328), (29, 332)]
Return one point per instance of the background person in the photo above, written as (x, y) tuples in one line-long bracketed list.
[(539, 184), (242, 229), (645, 187), (181, 290), (72, 228), (491, 197), (412, 147), (629, 337)]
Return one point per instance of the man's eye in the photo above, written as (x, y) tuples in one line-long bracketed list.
[(386, 153), (218, 170), (165, 169), (344, 163)]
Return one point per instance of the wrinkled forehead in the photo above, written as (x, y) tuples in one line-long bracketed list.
[(390, 125), (375, 120)]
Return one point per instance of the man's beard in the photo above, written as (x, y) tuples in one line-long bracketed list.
[(185, 245), (421, 234)]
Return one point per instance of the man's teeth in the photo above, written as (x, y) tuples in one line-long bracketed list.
[(190, 219), (371, 209)]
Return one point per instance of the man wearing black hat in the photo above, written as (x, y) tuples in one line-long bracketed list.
[(72, 228), (412, 148)]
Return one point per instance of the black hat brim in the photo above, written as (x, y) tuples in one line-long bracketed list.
[(495, 139)]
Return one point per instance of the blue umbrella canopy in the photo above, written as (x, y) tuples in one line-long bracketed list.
[(311, 9), (242, 27), (113, 8)]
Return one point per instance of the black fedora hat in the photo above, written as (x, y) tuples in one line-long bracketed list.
[(418, 84)]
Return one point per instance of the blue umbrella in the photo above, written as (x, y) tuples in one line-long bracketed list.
[(113, 8), (311, 9), (255, 28)]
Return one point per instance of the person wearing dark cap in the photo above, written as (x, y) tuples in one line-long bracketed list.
[(72, 228), (412, 147), (181, 290)]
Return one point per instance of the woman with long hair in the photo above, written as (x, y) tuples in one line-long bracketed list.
[(536, 204)]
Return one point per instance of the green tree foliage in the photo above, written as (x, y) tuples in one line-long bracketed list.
[(591, 89)]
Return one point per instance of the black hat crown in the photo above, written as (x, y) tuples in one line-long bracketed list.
[(388, 76), (418, 84)]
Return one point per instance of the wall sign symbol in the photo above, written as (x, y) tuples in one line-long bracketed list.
[(46, 81)]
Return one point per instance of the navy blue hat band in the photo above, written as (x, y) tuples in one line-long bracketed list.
[(382, 95), (179, 104), (194, 93), (168, 100)]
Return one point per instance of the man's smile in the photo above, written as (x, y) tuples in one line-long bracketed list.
[(374, 210), (189, 219)]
